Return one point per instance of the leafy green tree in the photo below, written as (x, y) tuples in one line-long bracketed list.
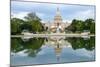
[(15, 25), (88, 23), (34, 21), (26, 26), (31, 17), (80, 26), (72, 27), (36, 26), (92, 28), (77, 25)]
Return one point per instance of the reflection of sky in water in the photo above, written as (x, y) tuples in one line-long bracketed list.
[(47, 55)]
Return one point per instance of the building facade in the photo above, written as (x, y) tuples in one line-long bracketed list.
[(57, 26)]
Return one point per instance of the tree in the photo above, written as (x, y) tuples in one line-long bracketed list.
[(34, 21), (15, 25), (31, 17), (80, 26), (88, 23), (92, 28), (72, 27), (36, 26), (77, 25), (26, 26)]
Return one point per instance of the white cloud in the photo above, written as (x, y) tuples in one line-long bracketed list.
[(46, 11), (82, 15), (68, 21), (40, 14), (20, 15), (22, 53), (44, 21)]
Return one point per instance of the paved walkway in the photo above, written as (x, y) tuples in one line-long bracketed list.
[(49, 35)]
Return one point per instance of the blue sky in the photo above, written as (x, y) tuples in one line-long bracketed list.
[(47, 11)]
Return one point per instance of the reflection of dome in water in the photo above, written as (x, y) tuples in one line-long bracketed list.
[(58, 53), (25, 38), (57, 44), (54, 41)]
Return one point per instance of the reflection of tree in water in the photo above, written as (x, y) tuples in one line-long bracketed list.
[(16, 45), (91, 44), (32, 46), (78, 43)]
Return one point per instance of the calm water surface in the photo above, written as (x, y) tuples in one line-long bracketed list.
[(32, 51)]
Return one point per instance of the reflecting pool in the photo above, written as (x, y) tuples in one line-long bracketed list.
[(47, 50)]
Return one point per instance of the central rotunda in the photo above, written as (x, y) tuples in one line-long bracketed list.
[(57, 26)]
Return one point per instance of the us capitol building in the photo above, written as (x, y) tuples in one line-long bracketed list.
[(57, 26)]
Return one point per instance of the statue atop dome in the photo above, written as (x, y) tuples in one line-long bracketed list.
[(57, 18)]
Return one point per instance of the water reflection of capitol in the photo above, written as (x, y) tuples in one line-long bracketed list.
[(58, 43)]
